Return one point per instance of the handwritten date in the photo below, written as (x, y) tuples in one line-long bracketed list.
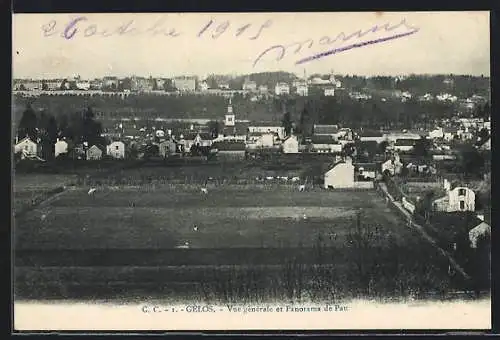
[(81, 26)]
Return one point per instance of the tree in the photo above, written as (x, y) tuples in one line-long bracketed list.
[(214, 128), (483, 136), (305, 124), (383, 146), (424, 205), (63, 126), (28, 124), (287, 123), (471, 161), (91, 128), (422, 147)]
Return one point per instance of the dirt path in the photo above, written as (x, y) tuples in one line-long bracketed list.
[(422, 231)]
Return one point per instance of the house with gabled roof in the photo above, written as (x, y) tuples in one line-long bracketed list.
[(326, 130), (325, 144), (229, 150), (290, 144), (341, 175), (27, 148), (94, 153)]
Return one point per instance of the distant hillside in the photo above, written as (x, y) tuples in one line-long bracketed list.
[(151, 106), (263, 78)]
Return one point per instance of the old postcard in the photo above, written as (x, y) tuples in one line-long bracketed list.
[(243, 171)]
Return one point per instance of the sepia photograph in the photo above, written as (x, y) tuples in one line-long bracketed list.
[(251, 171)]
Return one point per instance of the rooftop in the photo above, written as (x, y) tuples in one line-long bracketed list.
[(323, 140), (229, 146), (325, 129)]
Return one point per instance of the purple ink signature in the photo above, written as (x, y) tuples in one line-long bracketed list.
[(82, 26), (283, 49)]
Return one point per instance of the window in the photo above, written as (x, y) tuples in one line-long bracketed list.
[(461, 192), (462, 205), (116, 148)]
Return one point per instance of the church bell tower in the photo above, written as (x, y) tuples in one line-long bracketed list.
[(229, 121)]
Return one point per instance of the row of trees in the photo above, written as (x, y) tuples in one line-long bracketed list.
[(45, 129)]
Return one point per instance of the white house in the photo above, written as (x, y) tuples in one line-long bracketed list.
[(436, 133), (458, 199), (83, 85), (167, 147), (250, 85), (393, 165), (290, 144), (302, 89), (449, 133), (329, 91), (60, 147), (116, 150), (263, 89), (266, 140), (394, 136), (281, 88), (94, 153), (203, 86), (341, 175), (27, 147)]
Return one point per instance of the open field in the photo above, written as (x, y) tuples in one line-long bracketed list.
[(251, 243), (163, 219), (30, 189)]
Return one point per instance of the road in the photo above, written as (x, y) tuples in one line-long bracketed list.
[(419, 228)]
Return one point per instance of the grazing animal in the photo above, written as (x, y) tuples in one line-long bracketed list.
[(91, 191), (302, 187), (204, 190), (195, 228)]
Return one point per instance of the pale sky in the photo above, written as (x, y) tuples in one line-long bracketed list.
[(442, 42)]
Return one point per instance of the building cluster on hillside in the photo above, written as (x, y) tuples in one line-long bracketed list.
[(303, 86), (181, 84)]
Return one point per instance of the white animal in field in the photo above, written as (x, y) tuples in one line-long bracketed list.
[(92, 190), (302, 187), (195, 228), (204, 191), (295, 179), (269, 178)]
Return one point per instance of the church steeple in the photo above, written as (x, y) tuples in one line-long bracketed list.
[(229, 121)]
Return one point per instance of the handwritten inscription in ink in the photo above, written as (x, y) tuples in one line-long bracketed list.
[(81, 26)]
